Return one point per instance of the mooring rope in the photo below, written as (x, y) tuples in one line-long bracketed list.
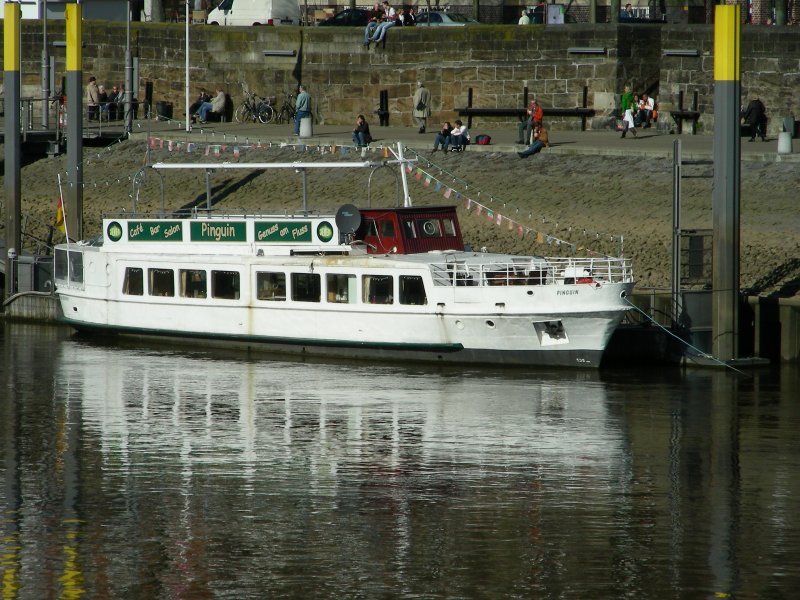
[(697, 350)]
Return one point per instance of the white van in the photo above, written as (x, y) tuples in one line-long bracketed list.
[(255, 12)]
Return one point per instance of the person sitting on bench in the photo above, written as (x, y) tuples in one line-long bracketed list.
[(216, 106)]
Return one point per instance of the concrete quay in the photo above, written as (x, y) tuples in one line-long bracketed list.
[(653, 142)]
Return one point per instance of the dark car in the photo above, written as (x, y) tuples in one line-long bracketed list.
[(351, 17)]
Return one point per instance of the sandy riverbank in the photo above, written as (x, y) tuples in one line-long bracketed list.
[(591, 202)]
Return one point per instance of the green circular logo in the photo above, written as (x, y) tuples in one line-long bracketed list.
[(114, 231), (325, 231)]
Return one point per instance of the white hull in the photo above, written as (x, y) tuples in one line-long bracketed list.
[(509, 324)]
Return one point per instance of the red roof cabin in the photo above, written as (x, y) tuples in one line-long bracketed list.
[(410, 230)]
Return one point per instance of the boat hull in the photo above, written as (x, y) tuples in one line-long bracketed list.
[(373, 351)]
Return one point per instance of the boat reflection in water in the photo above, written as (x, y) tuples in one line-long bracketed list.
[(207, 475)]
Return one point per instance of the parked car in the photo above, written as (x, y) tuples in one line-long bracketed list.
[(350, 17), (444, 19)]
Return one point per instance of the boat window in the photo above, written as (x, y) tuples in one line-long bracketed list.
[(161, 282), (61, 264), (409, 230), (341, 288), (76, 267), (387, 228), (430, 228), (306, 287), (378, 289), (449, 227), (193, 283), (271, 286), (225, 285), (412, 290), (372, 228), (133, 284)]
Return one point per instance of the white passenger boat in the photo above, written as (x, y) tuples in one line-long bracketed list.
[(381, 284)]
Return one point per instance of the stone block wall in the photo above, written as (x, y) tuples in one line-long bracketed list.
[(345, 78)]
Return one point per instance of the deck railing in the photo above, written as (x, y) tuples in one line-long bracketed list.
[(533, 271)]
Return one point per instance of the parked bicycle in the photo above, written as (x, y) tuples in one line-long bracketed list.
[(286, 113), (254, 108)]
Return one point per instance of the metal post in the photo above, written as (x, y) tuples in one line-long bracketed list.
[(45, 72), (676, 230), (128, 74), (402, 167), (208, 189), (188, 116), (12, 14), (727, 181), (73, 209)]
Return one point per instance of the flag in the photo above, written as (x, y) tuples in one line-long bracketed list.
[(447, 192), (60, 215)]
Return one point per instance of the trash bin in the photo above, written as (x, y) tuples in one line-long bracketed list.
[(784, 142), (164, 110), (306, 127), (788, 125)]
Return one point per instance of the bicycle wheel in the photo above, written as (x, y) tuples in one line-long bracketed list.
[(242, 113), (265, 113)]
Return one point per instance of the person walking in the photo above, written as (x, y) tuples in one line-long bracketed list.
[(755, 115), (302, 107), (524, 19), (92, 99), (422, 106)]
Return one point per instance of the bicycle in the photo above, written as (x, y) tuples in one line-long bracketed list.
[(286, 113), (253, 108)]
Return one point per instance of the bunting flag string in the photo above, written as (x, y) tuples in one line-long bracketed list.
[(470, 197)]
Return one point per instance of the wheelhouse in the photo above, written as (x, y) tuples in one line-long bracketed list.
[(410, 230)]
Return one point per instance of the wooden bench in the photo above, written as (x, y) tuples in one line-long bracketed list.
[(682, 114), (470, 111)]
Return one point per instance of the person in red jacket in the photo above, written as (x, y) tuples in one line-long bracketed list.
[(534, 117)]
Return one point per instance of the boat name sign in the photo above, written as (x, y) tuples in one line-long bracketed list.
[(210, 231)]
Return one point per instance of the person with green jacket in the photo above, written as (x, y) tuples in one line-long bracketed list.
[(627, 105)]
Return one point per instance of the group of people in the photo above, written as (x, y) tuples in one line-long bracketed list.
[(386, 17), (102, 104), (205, 105), (453, 138), (636, 111)]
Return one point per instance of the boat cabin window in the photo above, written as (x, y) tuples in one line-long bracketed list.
[(387, 228), (76, 267), (193, 283), (341, 288), (271, 286), (372, 228), (161, 282), (306, 287), (449, 227), (409, 230), (378, 289), (61, 270), (133, 284), (430, 228), (225, 285), (412, 290)]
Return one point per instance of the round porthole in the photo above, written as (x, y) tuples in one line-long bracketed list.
[(429, 228), (459, 325), (490, 324)]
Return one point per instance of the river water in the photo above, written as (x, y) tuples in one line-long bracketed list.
[(133, 471)]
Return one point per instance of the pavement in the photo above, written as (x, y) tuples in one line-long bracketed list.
[(652, 142)]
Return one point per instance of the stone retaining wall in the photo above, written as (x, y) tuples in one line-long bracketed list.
[(345, 78)]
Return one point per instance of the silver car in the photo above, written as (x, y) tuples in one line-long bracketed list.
[(444, 19)]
